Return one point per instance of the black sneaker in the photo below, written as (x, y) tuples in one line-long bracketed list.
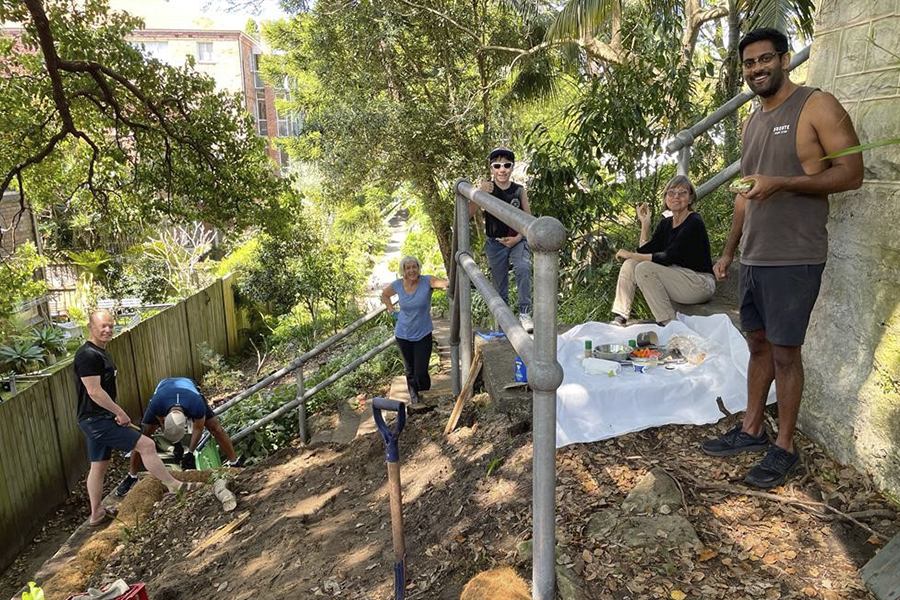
[(773, 469), (619, 321), (236, 463), (126, 485), (735, 442)]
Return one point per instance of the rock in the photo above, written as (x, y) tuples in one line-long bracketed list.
[(567, 584), (603, 523), (661, 530), (655, 490), (525, 550)]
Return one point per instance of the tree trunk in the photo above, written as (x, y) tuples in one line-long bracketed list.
[(731, 85)]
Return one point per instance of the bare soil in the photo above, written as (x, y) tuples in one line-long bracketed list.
[(319, 522)]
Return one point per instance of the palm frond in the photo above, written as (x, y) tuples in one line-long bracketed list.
[(782, 14), (579, 17)]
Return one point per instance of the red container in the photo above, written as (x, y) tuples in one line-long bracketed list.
[(135, 592)]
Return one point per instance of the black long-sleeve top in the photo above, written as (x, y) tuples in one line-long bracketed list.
[(685, 246)]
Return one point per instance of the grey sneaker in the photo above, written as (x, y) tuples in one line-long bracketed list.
[(735, 442), (527, 323)]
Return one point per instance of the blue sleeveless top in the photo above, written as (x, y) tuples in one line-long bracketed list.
[(414, 320)]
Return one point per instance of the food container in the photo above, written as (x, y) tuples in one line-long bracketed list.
[(616, 352), (647, 338)]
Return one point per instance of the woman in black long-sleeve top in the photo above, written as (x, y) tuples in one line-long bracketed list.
[(675, 265)]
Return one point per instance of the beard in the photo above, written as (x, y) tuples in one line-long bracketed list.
[(769, 87)]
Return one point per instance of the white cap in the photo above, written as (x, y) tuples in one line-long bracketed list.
[(174, 426)]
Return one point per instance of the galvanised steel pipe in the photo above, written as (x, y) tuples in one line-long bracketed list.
[(463, 289), (687, 136), (314, 390), (454, 319), (512, 216), (510, 325), (299, 361), (546, 237), (723, 176)]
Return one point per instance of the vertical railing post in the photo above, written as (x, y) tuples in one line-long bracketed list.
[(545, 237), (454, 317), (684, 161), (464, 288), (301, 407)]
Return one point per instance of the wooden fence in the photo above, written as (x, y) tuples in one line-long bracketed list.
[(42, 451)]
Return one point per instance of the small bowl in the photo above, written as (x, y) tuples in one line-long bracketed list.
[(616, 352)]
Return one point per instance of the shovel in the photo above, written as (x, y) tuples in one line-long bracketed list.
[(393, 469)]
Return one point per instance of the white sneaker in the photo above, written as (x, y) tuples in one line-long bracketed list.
[(527, 323)]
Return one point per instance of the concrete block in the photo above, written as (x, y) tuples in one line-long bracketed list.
[(854, 45)]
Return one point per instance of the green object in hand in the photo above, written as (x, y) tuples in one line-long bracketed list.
[(395, 314), (739, 186)]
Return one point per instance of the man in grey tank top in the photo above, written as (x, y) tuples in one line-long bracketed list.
[(781, 222)]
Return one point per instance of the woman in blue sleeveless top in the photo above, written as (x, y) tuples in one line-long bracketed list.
[(413, 329)]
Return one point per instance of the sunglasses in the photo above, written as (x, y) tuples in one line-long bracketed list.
[(504, 165)]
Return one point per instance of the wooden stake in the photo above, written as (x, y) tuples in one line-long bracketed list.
[(466, 392)]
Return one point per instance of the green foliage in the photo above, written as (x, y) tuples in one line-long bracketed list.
[(21, 355), (50, 338), (91, 261), (113, 140), (219, 377), (17, 279)]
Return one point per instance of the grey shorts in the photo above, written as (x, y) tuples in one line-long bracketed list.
[(779, 300)]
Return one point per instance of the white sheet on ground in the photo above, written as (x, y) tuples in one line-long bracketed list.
[(597, 407)]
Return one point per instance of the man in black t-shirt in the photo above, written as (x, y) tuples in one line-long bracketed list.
[(505, 245), (104, 423)]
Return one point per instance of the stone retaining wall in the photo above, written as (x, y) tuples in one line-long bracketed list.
[(852, 356)]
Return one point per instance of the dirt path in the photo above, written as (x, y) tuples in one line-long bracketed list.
[(319, 525), (381, 274)]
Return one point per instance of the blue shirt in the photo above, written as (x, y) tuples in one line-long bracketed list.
[(175, 391), (414, 320)]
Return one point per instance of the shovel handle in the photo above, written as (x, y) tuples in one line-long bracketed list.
[(390, 437)]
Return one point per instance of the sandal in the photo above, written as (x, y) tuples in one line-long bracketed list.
[(185, 488), (108, 515)]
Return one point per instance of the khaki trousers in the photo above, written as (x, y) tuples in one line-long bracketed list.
[(661, 285)]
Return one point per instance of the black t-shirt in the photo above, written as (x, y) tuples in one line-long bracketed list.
[(91, 360), (685, 246), (512, 195)]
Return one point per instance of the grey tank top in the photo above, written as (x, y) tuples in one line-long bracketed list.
[(787, 228)]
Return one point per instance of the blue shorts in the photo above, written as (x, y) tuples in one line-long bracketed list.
[(103, 434)]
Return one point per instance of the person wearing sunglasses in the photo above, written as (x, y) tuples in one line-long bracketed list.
[(673, 265), (781, 221), (505, 245)]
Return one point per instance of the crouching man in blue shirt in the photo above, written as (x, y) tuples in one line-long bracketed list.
[(176, 400)]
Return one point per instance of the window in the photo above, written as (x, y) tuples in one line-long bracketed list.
[(254, 68), (262, 124), (204, 52), (157, 50)]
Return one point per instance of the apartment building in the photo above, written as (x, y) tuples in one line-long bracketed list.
[(221, 49)]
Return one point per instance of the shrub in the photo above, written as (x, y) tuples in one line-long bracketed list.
[(219, 377)]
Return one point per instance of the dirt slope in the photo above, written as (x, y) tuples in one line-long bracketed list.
[(319, 526)]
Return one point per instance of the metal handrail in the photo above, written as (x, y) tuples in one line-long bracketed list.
[(545, 237), (299, 361), (301, 399), (686, 137)]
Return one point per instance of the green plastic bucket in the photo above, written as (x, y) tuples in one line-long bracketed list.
[(208, 458)]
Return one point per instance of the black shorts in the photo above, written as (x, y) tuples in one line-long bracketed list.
[(103, 434), (779, 300)]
